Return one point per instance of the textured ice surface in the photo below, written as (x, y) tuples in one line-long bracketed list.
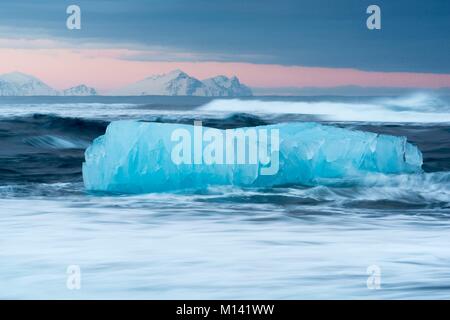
[(135, 157)]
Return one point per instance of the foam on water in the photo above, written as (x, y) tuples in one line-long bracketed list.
[(55, 142), (222, 242), (419, 108)]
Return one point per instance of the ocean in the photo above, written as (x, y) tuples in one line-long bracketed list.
[(386, 238)]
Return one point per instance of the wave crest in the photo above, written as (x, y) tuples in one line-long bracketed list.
[(417, 108)]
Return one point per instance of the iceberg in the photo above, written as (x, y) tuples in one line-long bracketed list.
[(140, 157)]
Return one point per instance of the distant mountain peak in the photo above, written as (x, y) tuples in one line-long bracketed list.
[(169, 75), (80, 90), (177, 72), (21, 84), (17, 77), (223, 86), (179, 83), (16, 74)]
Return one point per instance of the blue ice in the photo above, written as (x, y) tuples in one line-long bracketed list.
[(138, 157)]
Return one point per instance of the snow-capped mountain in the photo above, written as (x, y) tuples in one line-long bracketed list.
[(175, 83), (81, 90), (179, 83), (222, 86), (20, 84)]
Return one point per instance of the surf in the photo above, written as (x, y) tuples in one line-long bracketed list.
[(417, 108)]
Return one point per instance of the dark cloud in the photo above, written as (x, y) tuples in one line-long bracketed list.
[(414, 36)]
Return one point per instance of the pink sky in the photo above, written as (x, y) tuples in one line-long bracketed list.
[(105, 69)]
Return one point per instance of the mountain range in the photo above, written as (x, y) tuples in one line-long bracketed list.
[(179, 83), (20, 84), (175, 83)]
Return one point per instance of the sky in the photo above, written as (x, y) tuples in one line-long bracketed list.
[(283, 43)]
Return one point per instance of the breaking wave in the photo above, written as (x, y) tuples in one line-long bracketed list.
[(417, 108)]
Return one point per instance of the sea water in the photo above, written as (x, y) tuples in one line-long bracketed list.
[(385, 237)]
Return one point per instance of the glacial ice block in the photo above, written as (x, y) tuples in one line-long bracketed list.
[(139, 157)]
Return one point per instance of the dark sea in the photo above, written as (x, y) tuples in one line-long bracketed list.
[(388, 238)]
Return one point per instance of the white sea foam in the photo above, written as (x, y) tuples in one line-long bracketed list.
[(421, 108), (56, 142)]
